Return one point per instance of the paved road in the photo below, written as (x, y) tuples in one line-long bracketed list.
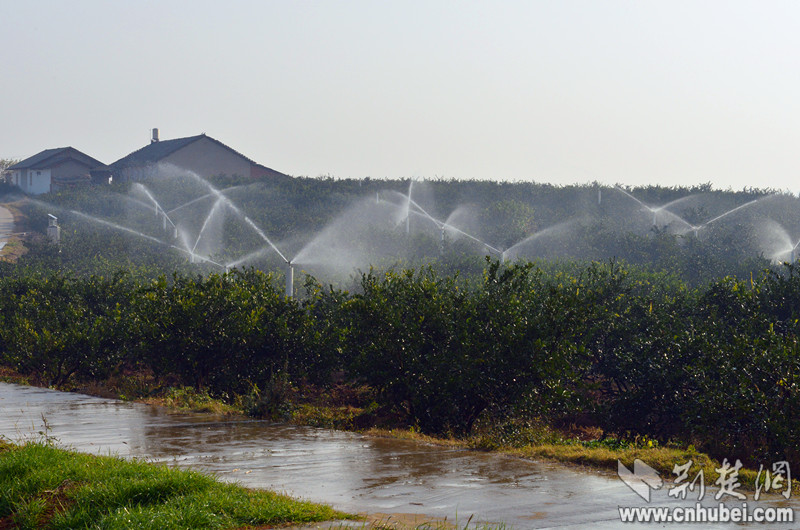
[(6, 225)]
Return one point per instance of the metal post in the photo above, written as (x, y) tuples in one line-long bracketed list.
[(53, 230), (289, 280)]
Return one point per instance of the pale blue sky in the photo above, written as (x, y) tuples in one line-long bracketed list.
[(562, 91)]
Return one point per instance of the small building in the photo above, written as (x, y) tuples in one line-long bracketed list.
[(53, 169), (200, 154)]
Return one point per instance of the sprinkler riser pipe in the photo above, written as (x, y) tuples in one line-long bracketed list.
[(289, 280)]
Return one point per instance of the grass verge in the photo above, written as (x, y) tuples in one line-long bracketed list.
[(42, 486), (545, 444)]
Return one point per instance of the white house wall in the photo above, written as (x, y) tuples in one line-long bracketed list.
[(32, 181)]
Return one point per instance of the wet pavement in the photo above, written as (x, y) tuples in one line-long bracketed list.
[(6, 225), (349, 471)]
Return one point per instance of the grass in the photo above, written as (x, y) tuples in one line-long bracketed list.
[(7, 375), (189, 399), (42, 486), (662, 459), (13, 249), (539, 442)]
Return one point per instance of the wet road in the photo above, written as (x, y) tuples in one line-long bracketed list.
[(352, 472)]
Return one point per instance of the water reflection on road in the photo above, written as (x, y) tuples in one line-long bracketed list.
[(351, 472)]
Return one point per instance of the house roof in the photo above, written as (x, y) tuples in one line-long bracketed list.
[(157, 151), (52, 157)]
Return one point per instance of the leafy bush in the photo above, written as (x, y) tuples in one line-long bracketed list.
[(629, 351)]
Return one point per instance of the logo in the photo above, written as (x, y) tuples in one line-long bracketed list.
[(641, 480)]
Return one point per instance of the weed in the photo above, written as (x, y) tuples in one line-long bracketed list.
[(187, 398)]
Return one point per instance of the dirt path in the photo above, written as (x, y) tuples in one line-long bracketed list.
[(6, 225)]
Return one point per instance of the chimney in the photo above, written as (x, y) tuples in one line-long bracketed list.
[(155, 136)]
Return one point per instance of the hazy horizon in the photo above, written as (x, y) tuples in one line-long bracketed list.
[(634, 93)]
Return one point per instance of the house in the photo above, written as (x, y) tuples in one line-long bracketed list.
[(53, 169), (201, 154)]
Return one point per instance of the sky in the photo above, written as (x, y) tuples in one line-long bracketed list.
[(667, 92)]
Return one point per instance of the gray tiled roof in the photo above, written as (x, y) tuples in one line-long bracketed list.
[(154, 152), (50, 157), (157, 151)]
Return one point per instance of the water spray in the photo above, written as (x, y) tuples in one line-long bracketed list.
[(203, 197), (745, 205), (211, 214), (794, 252), (158, 209), (244, 217), (193, 258), (442, 226), (655, 211)]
